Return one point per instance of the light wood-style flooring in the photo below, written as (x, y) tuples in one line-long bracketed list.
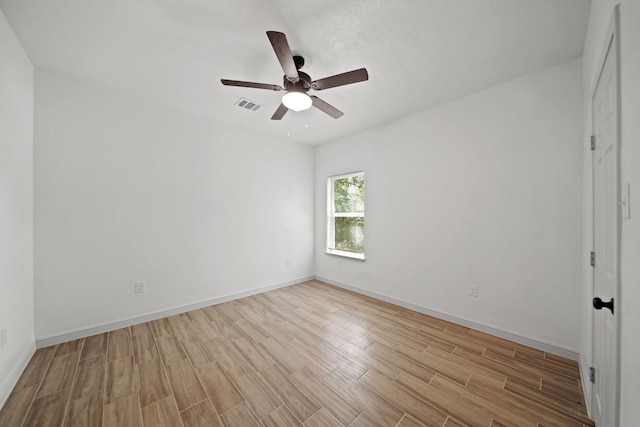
[(309, 354)]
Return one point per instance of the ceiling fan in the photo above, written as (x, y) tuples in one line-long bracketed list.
[(298, 83)]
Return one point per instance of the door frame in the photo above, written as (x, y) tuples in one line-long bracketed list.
[(612, 41)]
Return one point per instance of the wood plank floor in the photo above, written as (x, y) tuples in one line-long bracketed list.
[(309, 354)]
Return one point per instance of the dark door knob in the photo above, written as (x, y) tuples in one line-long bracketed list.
[(598, 304)]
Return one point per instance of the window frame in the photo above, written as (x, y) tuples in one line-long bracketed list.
[(331, 215)]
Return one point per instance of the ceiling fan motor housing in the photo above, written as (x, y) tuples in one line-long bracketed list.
[(302, 85)]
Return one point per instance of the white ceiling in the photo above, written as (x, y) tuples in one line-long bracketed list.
[(419, 53)]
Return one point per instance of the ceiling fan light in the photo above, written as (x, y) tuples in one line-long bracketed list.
[(296, 101)]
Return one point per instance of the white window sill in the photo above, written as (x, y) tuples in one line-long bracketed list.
[(345, 254)]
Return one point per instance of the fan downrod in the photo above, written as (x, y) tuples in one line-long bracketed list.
[(299, 61)]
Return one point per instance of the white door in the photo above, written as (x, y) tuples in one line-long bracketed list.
[(606, 235)]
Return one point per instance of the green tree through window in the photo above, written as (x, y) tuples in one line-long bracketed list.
[(346, 222)]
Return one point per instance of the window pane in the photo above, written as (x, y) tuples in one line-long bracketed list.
[(349, 234), (348, 194)]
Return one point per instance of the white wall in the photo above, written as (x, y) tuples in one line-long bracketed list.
[(629, 307), (128, 190), (484, 190), (16, 207)]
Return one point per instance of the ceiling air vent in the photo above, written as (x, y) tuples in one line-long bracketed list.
[(247, 104)]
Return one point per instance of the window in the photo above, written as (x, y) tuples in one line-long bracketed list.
[(345, 215)]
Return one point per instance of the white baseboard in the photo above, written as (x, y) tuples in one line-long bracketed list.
[(569, 353), (14, 375), (123, 323), (493, 330)]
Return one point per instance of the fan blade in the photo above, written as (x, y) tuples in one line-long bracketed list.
[(326, 107), (280, 112), (281, 48), (250, 84), (347, 78)]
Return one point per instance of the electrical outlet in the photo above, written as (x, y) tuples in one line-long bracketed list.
[(473, 290), (139, 287), (3, 337), (288, 262)]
